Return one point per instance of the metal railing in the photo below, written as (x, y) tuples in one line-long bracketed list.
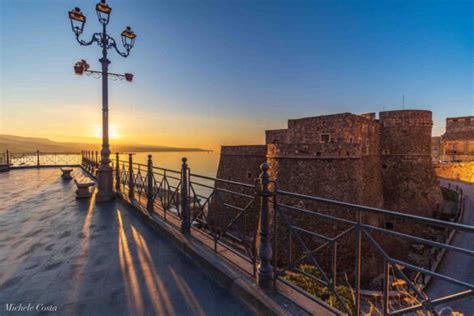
[(90, 160), (280, 234), (39, 159)]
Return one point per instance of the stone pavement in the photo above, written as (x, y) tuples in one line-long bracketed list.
[(76, 257)]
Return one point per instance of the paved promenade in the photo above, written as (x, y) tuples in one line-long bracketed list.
[(82, 258), (456, 265)]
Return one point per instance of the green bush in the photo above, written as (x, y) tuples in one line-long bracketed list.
[(319, 290)]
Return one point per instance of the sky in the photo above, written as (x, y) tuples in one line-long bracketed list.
[(211, 73)]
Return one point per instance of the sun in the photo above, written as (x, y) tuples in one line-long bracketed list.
[(113, 132)]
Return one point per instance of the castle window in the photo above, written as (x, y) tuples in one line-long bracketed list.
[(389, 225), (351, 140), (275, 141), (318, 153), (249, 175), (366, 146), (384, 166), (325, 138)]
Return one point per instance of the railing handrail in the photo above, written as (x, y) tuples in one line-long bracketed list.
[(41, 153), (433, 221)]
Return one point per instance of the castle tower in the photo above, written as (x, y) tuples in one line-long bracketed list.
[(408, 179), (333, 156)]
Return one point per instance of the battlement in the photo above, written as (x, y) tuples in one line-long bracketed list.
[(406, 118)]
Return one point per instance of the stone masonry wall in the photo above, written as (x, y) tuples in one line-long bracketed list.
[(409, 181), (239, 164), (276, 136)]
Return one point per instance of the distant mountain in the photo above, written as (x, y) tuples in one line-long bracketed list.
[(18, 144)]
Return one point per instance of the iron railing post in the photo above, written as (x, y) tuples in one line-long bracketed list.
[(117, 173), (149, 192), (386, 287), (265, 269), (358, 259), (185, 223), (37, 158), (130, 177), (334, 264), (88, 160), (96, 160)]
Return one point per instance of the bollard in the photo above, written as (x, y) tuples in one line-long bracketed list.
[(150, 194), (82, 157), (265, 269), (117, 173), (185, 223), (130, 177), (8, 159), (37, 158), (96, 159)]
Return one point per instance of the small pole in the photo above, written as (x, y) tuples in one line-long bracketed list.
[(37, 158), (130, 176), (358, 263), (88, 160), (265, 269), (8, 159), (82, 157), (185, 224), (149, 192), (117, 173), (96, 159)]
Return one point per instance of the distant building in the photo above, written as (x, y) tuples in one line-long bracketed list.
[(457, 142), (436, 150)]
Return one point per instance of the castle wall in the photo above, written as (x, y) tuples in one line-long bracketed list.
[(409, 181), (239, 164), (383, 163), (276, 136)]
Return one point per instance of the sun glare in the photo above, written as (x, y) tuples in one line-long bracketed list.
[(113, 132)]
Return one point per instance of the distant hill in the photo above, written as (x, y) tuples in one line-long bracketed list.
[(18, 144)]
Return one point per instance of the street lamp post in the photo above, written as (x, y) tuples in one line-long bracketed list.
[(106, 42)]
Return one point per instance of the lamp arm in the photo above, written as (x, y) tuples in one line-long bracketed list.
[(114, 45), (93, 39)]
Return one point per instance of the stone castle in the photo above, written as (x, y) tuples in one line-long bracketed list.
[(384, 162)]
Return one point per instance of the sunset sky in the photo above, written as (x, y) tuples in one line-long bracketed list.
[(209, 73)]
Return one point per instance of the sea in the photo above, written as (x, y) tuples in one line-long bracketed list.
[(202, 163)]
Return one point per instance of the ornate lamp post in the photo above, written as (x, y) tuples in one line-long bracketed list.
[(106, 42)]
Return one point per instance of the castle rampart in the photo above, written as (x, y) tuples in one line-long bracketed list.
[(382, 163)]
